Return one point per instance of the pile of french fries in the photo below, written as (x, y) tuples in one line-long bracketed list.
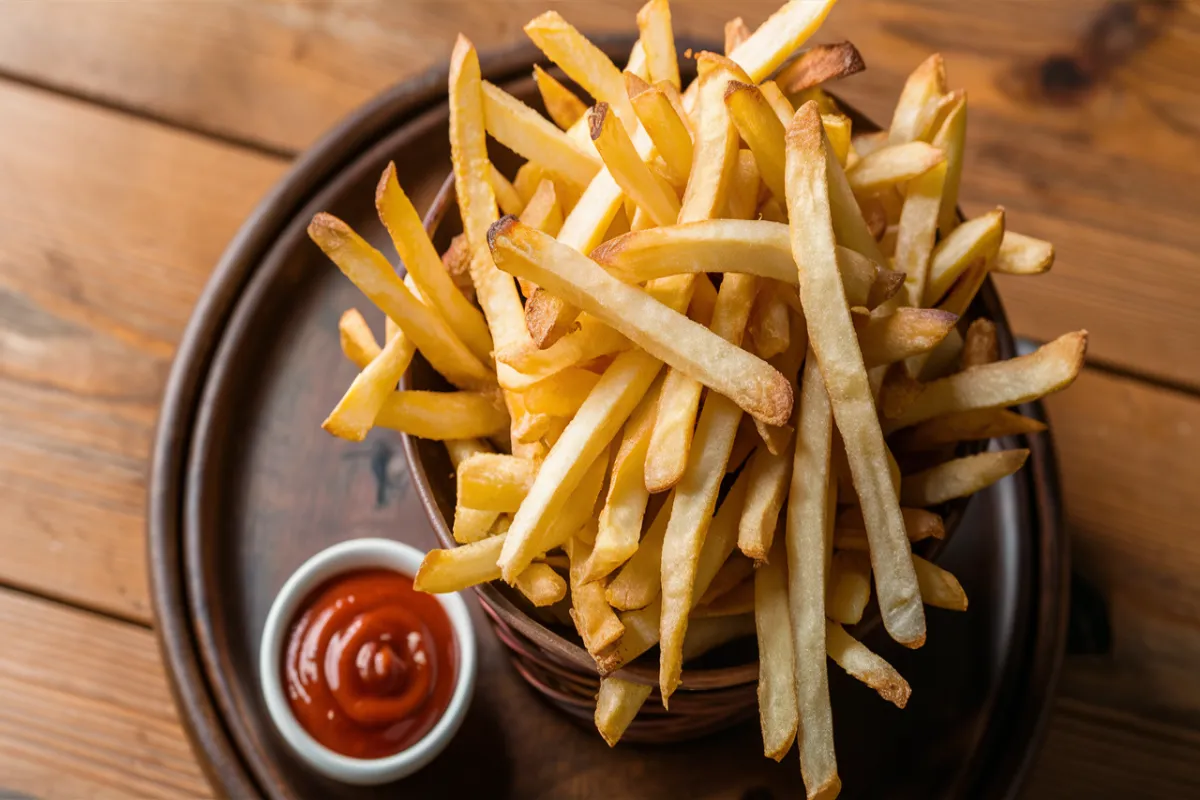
[(711, 365)]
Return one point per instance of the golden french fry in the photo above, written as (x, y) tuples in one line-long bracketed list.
[(837, 130), (620, 523), (778, 714), (960, 477), (658, 40), (660, 331), (866, 143), (667, 129), (974, 240), (732, 574), (854, 657), (875, 216), (1050, 368), (355, 413), (817, 65), (735, 602), (1023, 255), (770, 325), (849, 586), (592, 340), (457, 261), (918, 229), (588, 433), (967, 426), (541, 585), (442, 415), (951, 139), (460, 567), (354, 335), (637, 584), (561, 103), (507, 197), (744, 444), (594, 618), (781, 35), (893, 165), (494, 482), (898, 390), (628, 169), (841, 364), (544, 212), (617, 704), (528, 178), (783, 107), (561, 394), (470, 524), (939, 588), (407, 232), (918, 105), (979, 345), (370, 271), (736, 32), (919, 524), (887, 338), (758, 124), (531, 136)]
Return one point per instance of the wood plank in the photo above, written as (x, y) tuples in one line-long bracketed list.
[(111, 227), (1085, 116), (84, 708)]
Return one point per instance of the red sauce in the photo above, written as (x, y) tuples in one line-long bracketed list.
[(370, 664)]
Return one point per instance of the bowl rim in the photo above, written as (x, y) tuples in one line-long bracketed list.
[(338, 559)]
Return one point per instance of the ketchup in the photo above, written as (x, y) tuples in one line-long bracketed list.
[(370, 664)]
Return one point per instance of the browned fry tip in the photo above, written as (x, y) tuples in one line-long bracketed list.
[(596, 119), (826, 62), (501, 227), (389, 174), (634, 85)]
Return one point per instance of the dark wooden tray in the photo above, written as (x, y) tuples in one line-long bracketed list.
[(245, 487)]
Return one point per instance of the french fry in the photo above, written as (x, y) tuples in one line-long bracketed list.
[(918, 229), (663, 333), (442, 415), (494, 482), (637, 584), (1023, 255), (658, 40), (561, 394), (960, 477), (841, 364), (528, 178), (617, 704), (736, 32), (760, 127), (888, 338), (781, 105), (837, 130), (979, 345), (541, 585), (918, 104), (355, 337), (370, 271), (732, 574), (939, 588), (627, 168), (744, 444), (531, 136), (354, 415), (1051, 368), (459, 568), (778, 714), (967, 426), (642, 625), (589, 432), (544, 212), (620, 523), (667, 129), (457, 261), (707, 634), (561, 103), (866, 143), (919, 524), (854, 657), (594, 618), (735, 602), (470, 524), (974, 240), (898, 390), (893, 165), (951, 139), (820, 64), (781, 35), (407, 232), (849, 587), (875, 216), (770, 325), (507, 197), (592, 340)]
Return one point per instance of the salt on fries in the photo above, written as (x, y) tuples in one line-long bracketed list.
[(605, 389)]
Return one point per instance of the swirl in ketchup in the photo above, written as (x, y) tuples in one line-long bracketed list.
[(370, 664)]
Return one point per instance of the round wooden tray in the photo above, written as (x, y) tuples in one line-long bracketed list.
[(245, 487)]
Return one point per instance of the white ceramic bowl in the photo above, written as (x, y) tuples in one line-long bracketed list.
[(337, 560)]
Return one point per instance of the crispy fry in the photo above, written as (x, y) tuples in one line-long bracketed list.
[(421, 260), (457, 261), (628, 169), (561, 394), (731, 575), (667, 129), (744, 444), (898, 390), (866, 143), (778, 714), (662, 332), (442, 415), (592, 340), (1050, 368), (939, 588), (617, 704), (781, 105), (979, 346), (887, 338), (637, 584), (893, 165), (527, 133), (654, 23), (918, 229), (967, 426), (770, 325), (975, 239), (528, 178), (715, 149), (589, 432), (470, 524), (460, 567), (355, 337), (736, 32), (760, 127), (854, 657), (561, 104), (1023, 255), (541, 585), (817, 65), (494, 482), (841, 364), (918, 104), (781, 35), (849, 586), (919, 524), (594, 618), (950, 138), (544, 212), (960, 477), (507, 197)]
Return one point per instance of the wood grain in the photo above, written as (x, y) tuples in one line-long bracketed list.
[(111, 226), (84, 708), (1085, 116)]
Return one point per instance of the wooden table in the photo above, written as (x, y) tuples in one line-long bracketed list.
[(136, 136)]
